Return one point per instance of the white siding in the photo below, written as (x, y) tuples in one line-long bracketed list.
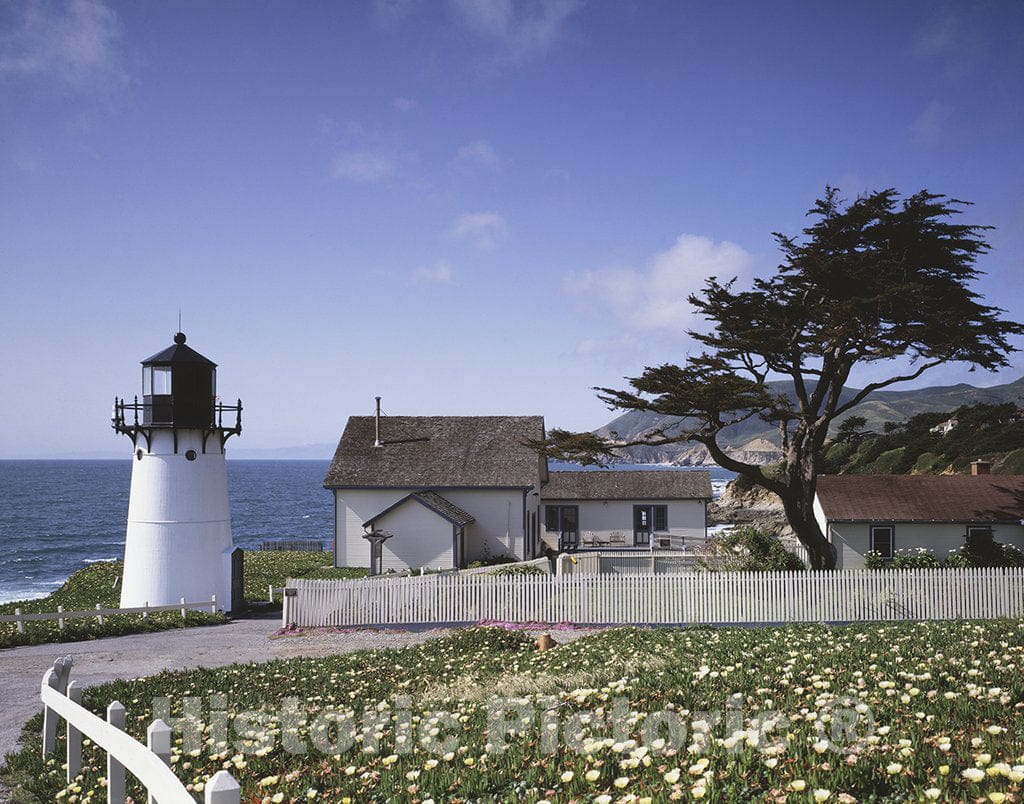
[(852, 539), (498, 529), (686, 518), (422, 539)]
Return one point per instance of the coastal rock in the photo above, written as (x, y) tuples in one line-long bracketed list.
[(754, 506), (758, 451)]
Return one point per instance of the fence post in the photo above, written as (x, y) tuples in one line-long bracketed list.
[(115, 770), (145, 610), (21, 623), (60, 620), (222, 789), (184, 612), (158, 740), (270, 593), (56, 678), (74, 735), (213, 604), (99, 617)]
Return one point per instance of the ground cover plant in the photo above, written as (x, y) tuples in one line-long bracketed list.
[(264, 568), (96, 583), (880, 712)]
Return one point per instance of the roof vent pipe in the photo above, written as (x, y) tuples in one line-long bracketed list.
[(376, 425)]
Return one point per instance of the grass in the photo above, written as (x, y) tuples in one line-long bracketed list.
[(94, 584), (938, 713), (273, 567)]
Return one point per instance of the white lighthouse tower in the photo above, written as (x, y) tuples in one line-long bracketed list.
[(178, 542)]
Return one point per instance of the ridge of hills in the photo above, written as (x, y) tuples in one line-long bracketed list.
[(755, 441)]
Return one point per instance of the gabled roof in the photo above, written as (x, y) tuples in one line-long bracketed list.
[(608, 484), (435, 502), (922, 498), (422, 452)]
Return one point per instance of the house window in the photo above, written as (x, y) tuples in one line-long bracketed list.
[(882, 540), (661, 517)]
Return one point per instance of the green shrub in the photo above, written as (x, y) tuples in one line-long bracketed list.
[(887, 462), (748, 549), (1012, 463), (523, 569)]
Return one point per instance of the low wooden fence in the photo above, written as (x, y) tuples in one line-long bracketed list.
[(101, 613), (693, 598), (150, 764), (301, 545)]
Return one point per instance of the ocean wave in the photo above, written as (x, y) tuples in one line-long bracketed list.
[(99, 560)]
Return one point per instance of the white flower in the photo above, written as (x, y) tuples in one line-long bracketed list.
[(820, 794), (974, 774)]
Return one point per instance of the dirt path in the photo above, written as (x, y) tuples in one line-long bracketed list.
[(97, 661)]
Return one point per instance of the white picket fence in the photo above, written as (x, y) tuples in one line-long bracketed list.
[(150, 764), (698, 597), (101, 613)]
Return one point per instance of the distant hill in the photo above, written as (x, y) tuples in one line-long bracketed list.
[(757, 442)]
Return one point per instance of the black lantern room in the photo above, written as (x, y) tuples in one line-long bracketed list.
[(179, 387)]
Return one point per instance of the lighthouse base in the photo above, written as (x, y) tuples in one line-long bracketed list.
[(178, 542)]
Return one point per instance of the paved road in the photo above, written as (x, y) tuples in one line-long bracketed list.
[(97, 661)]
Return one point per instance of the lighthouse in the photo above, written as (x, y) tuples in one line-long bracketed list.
[(178, 542)]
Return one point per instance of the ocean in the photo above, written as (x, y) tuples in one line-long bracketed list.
[(59, 516)]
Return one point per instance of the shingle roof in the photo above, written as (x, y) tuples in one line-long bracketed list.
[(422, 452), (609, 484), (922, 498), (435, 502)]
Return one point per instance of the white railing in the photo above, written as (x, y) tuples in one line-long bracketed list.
[(149, 764), (696, 597), (101, 613)]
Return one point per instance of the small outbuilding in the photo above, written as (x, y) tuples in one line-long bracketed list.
[(886, 513)]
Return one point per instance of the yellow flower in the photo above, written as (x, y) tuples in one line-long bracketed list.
[(567, 776), (798, 785), (932, 793), (997, 798), (621, 782), (268, 781), (893, 768), (672, 776), (820, 794), (591, 775), (974, 774)]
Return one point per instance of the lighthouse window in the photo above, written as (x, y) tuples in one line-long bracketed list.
[(156, 381), (190, 455)]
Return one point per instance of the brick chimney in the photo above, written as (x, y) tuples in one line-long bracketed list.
[(981, 467)]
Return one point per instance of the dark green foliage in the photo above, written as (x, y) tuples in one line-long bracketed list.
[(851, 430), (748, 549), (992, 432)]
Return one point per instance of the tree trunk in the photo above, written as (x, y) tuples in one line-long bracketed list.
[(798, 500)]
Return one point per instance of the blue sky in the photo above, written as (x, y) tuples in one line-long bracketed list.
[(466, 207)]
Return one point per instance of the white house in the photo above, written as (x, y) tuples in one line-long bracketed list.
[(617, 509), (444, 491), (858, 513)]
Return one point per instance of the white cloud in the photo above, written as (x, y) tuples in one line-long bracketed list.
[(927, 127), (365, 165), (404, 104), (655, 297), (483, 229), (519, 30), (478, 154), (74, 42), (440, 273)]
